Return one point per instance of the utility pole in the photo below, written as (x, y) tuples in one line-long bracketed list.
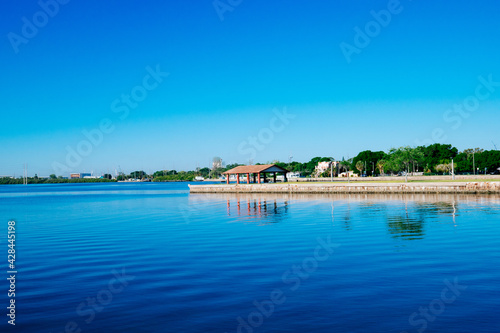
[(474, 162), (453, 169), (332, 162), (25, 174), (331, 172)]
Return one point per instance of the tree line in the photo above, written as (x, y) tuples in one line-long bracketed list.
[(433, 159), (36, 180)]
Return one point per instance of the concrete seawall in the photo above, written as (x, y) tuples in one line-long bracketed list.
[(462, 188)]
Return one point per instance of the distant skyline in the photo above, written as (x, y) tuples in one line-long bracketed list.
[(92, 86)]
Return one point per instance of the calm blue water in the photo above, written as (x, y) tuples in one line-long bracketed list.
[(153, 258)]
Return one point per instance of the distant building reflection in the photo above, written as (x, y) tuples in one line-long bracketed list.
[(271, 210)]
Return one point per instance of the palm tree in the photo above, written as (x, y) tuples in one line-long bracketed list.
[(380, 166), (360, 166)]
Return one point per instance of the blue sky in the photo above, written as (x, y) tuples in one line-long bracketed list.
[(228, 78)]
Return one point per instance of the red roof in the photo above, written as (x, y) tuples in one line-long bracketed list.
[(254, 169)]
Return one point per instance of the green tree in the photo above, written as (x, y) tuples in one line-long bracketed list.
[(404, 159), (204, 172), (434, 154), (443, 167), (489, 159), (138, 174), (369, 157), (471, 151), (399, 158), (345, 165)]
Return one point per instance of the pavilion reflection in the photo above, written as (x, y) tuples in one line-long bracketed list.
[(272, 211)]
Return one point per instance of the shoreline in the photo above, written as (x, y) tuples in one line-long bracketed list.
[(363, 188), (390, 179)]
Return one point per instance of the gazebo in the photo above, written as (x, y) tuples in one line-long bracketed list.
[(256, 170)]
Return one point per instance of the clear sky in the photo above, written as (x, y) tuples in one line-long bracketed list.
[(171, 84)]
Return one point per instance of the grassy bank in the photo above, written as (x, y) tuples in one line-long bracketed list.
[(402, 181)]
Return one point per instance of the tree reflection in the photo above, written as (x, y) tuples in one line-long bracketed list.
[(405, 227), (410, 223), (347, 217)]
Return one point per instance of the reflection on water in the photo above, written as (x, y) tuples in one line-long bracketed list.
[(405, 227), (409, 224), (405, 216), (271, 210), (202, 261)]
